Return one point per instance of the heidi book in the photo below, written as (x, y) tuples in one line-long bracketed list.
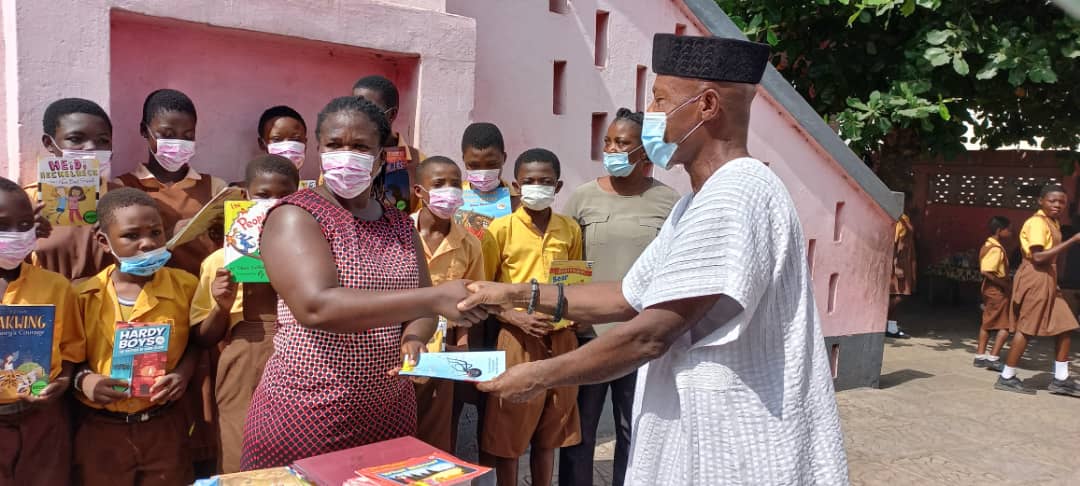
[(140, 354), (243, 227), (69, 190), (26, 346)]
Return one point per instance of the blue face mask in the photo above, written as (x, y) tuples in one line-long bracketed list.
[(652, 135), (144, 264), (618, 163)]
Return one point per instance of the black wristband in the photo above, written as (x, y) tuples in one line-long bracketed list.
[(560, 307), (535, 296)]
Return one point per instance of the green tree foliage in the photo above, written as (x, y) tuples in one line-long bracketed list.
[(906, 75)]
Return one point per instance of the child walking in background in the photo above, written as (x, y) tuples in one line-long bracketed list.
[(996, 290), (242, 316), (1037, 305), (452, 254), (35, 431), (520, 248), (122, 439)]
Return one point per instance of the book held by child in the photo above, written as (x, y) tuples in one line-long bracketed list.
[(140, 353), (569, 272), (69, 187), (26, 346), (243, 227)]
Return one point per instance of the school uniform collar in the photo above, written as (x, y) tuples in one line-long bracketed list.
[(159, 288), (453, 240), (992, 241), (26, 270), (553, 223), (144, 175), (1053, 221)]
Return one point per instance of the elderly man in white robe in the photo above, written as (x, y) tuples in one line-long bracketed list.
[(734, 385)]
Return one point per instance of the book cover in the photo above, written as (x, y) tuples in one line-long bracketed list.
[(140, 354), (432, 470), (569, 272), (398, 188), (211, 213), (308, 184), (275, 476), (26, 346), (473, 366), (69, 189), (437, 344), (243, 227), (480, 210), (337, 468)]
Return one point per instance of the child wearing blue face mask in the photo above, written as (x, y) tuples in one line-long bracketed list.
[(122, 439)]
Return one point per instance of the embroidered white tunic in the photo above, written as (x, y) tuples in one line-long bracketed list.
[(749, 401)]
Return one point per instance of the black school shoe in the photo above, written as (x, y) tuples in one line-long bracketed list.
[(981, 362), (897, 335), (1013, 385), (1064, 387), (996, 365)]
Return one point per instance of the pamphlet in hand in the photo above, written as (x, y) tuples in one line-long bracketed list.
[(473, 366)]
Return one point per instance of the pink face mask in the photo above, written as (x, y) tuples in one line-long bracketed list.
[(172, 154), (289, 149), (483, 180), (347, 173), (445, 201), (14, 246)]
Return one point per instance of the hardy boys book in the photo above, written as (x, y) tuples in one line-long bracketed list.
[(140, 355)]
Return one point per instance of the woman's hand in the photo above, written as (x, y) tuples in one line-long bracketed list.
[(450, 294), (223, 289), (411, 349), (491, 296), (102, 390), (518, 384), (170, 387)]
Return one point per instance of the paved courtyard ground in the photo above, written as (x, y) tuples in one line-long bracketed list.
[(936, 420)]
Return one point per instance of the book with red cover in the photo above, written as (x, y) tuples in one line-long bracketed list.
[(337, 468)]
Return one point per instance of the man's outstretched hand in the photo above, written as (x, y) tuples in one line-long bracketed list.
[(518, 384)]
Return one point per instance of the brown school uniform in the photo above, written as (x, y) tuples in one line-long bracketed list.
[(177, 202), (244, 351), (993, 259), (515, 251), (1037, 305), (903, 277)]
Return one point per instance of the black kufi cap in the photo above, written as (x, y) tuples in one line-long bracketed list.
[(711, 58)]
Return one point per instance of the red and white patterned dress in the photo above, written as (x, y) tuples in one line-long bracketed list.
[(323, 392)]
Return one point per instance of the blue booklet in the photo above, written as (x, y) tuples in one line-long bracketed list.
[(26, 348), (466, 366), (480, 210)]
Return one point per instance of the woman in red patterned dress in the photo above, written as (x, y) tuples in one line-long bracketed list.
[(354, 300)]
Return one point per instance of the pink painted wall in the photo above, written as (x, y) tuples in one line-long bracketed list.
[(235, 44), (246, 74), (514, 90)]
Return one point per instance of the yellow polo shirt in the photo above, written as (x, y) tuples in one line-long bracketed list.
[(203, 302), (1036, 232), (166, 299), (515, 251), (993, 260), (459, 256), (37, 286)]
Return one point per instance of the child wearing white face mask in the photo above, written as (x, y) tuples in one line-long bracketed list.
[(520, 248), (242, 316), (74, 128), (34, 430), (452, 253)]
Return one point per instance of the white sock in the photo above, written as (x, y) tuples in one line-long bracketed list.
[(980, 356), (1008, 372), (991, 357), (1061, 370), (892, 328)]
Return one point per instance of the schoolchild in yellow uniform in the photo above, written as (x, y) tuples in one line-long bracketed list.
[(519, 248), (242, 316), (121, 439), (996, 289), (35, 433), (452, 253), (1037, 305)]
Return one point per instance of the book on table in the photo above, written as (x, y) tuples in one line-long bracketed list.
[(405, 460), (69, 190), (26, 348), (140, 355)]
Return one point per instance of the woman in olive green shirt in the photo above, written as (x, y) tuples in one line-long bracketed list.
[(619, 214)]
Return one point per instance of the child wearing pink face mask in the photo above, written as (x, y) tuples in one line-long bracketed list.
[(487, 196), (452, 254)]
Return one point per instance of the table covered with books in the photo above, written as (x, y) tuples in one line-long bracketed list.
[(405, 460)]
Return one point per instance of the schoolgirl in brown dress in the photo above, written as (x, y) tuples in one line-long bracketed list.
[(996, 292), (1037, 305)]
